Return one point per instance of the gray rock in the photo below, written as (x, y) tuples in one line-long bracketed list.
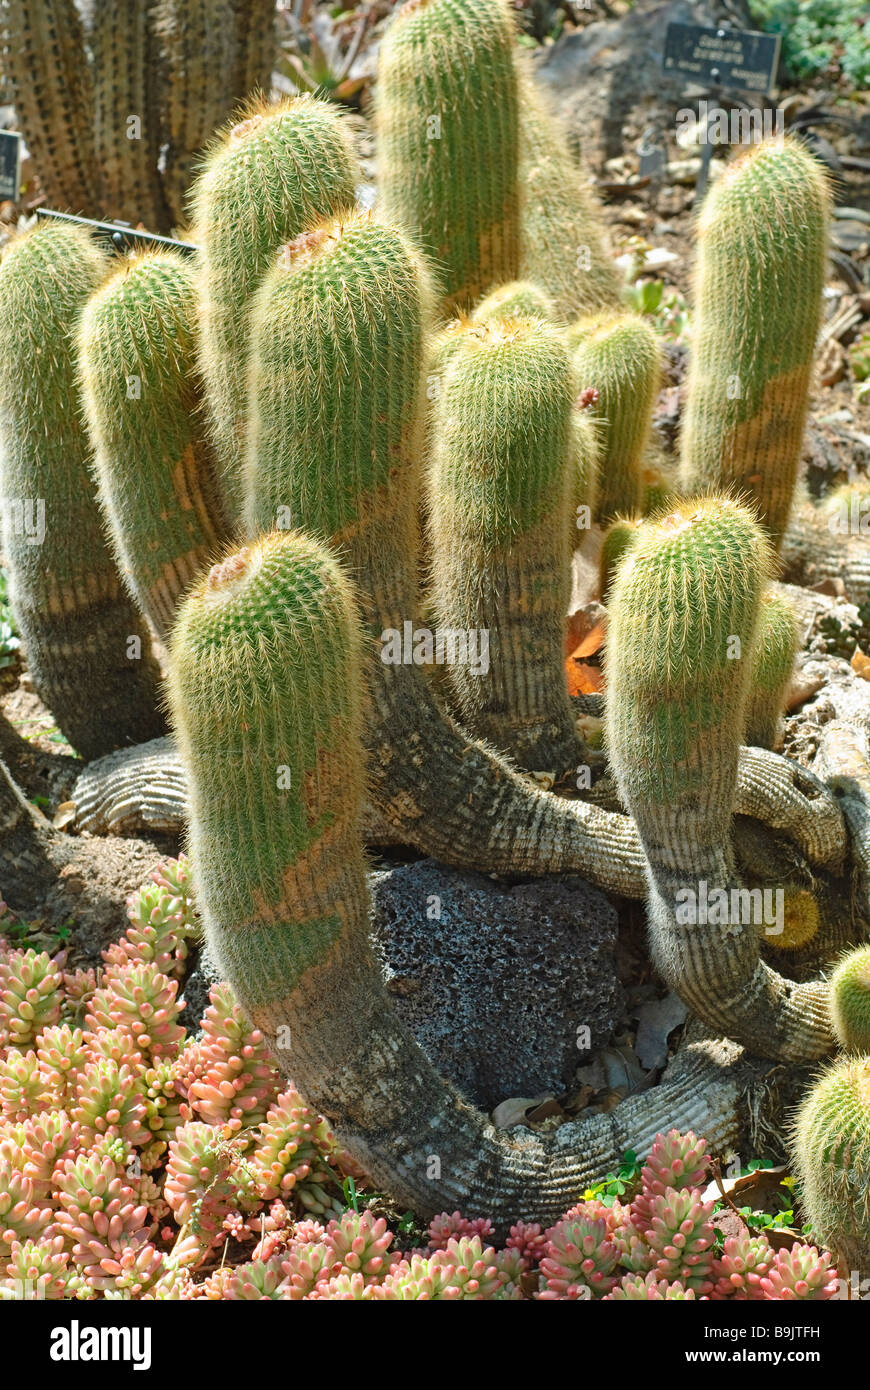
[(599, 74), (496, 982)]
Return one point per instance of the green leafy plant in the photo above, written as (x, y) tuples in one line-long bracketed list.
[(830, 37)]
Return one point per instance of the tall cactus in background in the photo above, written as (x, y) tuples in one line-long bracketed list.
[(447, 111), (197, 40), (46, 77), (155, 471), (563, 243), (618, 355), (762, 255), (127, 113), (178, 66), (80, 632), (275, 836), (683, 616), (278, 171), (498, 503)]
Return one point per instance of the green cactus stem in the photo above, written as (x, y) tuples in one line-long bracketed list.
[(772, 666), (127, 110), (154, 468), (446, 109), (276, 801), (47, 79), (562, 246), (683, 617), (615, 543), (338, 378), (831, 1160), (198, 52), (276, 172), (80, 632), (584, 465), (850, 1001), (762, 258), (519, 299), (498, 504), (618, 355)]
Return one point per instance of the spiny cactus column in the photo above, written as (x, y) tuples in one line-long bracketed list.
[(617, 540), (256, 41), (850, 1000), (46, 76), (618, 355), (277, 172), (762, 255), (498, 502), (154, 469), (280, 872), (772, 666), (197, 41), (563, 244), (584, 466), (683, 616), (87, 649), (518, 299), (447, 130), (127, 113), (831, 1160)]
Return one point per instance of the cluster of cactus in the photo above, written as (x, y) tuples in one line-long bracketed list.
[(115, 109), (263, 490)]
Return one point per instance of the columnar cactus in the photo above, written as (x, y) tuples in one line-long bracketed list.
[(127, 132), (51, 89), (562, 243), (447, 105), (518, 299), (197, 41), (850, 1001), (498, 503), (683, 617), (762, 256), (155, 470), (772, 666), (273, 630), (617, 540), (618, 355), (584, 466), (277, 171), (80, 631)]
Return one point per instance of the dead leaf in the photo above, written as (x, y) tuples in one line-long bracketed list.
[(801, 688), (591, 643), (516, 1110), (861, 664), (583, 679), (64, 815)]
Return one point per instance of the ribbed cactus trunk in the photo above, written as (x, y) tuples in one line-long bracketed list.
[(127, 113), (275, 837), (48, 80), (199, 56), (563, 243), (154, 468), (762, 257), (81, 634), (498, 505), (618, 356), (277, 172), (683, 617), (256, 43), (447, 113)]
